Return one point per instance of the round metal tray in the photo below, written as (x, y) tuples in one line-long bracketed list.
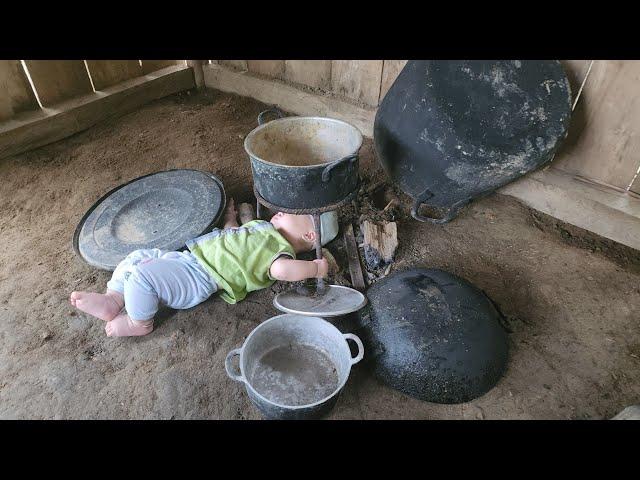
[(160, 210)]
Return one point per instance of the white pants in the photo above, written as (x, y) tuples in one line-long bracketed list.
[(148, 278)]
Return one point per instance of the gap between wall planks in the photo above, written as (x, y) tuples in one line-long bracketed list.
[(607, 115), (635, 186), (58, 80), (16, 93), (106, 73), (34, 129), (390, 71), (576, 71)]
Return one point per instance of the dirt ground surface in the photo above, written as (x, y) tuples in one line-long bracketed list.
[(571, 301)]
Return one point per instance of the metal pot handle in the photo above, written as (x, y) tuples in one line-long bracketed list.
[(360, 355), (451, 211), (326, 173), (274, 110), (228, 368)]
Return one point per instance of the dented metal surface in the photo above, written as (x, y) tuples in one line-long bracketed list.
[(304, 162), (451, 131), (434, 336)]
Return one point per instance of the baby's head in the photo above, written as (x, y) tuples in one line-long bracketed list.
[(300, 231)]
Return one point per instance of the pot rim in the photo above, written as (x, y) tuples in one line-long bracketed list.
[(290, 407), (253, 133)]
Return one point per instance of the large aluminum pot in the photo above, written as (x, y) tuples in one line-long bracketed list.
[(294, 367), (304, 162)]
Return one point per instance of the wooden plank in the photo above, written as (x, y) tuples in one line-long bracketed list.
[(604, 211), (198, 74), (16, 93), (310, 73), (358, 80), (5, 107), (268, 68), (105, 73), (149, 66), (606, 150), (355, 268), (635, 186), (390, 71), (240, 65), (34, 129), (576, 71), (380, 243), (289, 98), (58, 80)]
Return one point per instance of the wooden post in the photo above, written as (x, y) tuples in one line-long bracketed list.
[(355, 269), (318, 242), (198, 73)]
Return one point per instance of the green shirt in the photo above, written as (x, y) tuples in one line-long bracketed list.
[(239, 259)]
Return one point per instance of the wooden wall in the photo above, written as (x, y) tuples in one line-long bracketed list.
[(604, 144), (358, 81), (55, 81), (601, 147), (16, 95), (43, 101), (603, 140)]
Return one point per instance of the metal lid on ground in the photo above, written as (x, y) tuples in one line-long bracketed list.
[(336, 300), (161, 210)]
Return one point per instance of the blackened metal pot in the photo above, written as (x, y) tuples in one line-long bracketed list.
[(433, 336), (451, 131), (304, 162)]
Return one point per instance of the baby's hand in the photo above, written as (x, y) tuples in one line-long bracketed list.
[(323, 267)]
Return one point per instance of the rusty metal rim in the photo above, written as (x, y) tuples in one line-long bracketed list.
[(301, 211)]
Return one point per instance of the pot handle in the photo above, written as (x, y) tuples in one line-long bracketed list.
[(360, 355), (450, 212), (326, 173), (273, 110), (228, 368)]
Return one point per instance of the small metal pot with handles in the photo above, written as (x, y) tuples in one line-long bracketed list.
[(294, 367)]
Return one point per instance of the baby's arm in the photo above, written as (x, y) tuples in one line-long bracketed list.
[(290, 270)]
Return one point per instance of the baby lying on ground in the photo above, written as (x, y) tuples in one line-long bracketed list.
[(235, 260)]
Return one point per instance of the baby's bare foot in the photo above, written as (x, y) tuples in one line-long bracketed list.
[(103, 306), (246, 213), (230, 215), (230, 212), (123, 326)]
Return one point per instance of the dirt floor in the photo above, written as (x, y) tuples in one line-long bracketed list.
[(571, 301)]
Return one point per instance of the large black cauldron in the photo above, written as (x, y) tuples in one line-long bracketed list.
[(450, 131), (433, 336)]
